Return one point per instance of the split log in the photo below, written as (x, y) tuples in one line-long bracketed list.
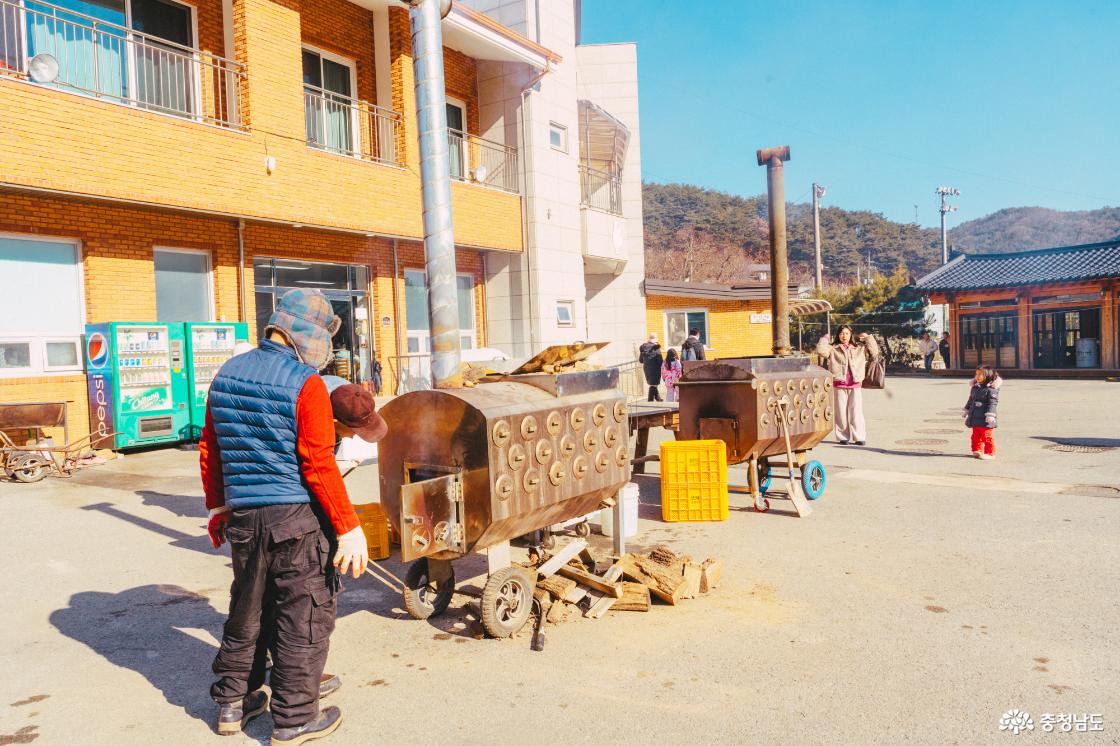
[(692, 577), (710, 574), (594, 582), (557, 613), (661, 581), (662, 555), (635, 597), (557, 586)]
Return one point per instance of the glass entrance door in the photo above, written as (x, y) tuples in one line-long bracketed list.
[(1057, 333)]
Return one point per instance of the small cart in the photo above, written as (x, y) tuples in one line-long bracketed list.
[(30, 463)]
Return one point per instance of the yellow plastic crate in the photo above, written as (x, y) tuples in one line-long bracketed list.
[(376, 528), (694, 480)]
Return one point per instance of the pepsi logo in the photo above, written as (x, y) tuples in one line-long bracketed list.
[(97, 350)]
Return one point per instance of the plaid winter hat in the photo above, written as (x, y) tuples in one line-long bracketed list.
[(305, 318)]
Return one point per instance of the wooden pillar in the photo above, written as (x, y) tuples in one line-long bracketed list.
[(1026, 335), (1108, 325)]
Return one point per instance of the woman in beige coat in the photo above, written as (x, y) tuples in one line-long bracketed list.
[(847, 362)]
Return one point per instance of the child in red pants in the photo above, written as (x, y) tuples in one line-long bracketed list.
[(980, 411)]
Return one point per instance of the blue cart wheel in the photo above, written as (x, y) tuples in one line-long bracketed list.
[(813, 479), (765, 475)]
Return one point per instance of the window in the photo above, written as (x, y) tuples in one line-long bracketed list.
[(41, 309), (329, 113), (558, 137), (989, 340), (457, 149), (416, 312), (564, 313), (183, 286), (677, 324)]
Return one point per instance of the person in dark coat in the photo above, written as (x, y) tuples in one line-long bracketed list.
[(649, 355), (693, 348), (944, 348), (980, 411)]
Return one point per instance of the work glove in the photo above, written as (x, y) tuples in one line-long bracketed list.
[(990, 420), (964, 412), (353, 552), (219, 517)]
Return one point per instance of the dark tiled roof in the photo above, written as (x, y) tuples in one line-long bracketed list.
[(1061, 264), (744, 291)]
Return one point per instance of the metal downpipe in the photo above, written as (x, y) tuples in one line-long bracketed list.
[(773, 158), (435, 183)]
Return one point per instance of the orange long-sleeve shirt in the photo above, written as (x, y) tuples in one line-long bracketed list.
[(315, 440)]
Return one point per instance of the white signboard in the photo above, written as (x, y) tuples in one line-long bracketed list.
[(760, 318)]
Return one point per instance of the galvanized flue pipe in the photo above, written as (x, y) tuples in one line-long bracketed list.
[(435, 183), (773, 158)]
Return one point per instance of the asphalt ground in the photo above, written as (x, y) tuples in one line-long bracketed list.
[(926, 595)]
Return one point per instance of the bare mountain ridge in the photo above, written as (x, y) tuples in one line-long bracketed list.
[(1022, 228)]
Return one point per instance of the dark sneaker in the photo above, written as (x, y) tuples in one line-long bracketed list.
[(322, 726), (234, 716), (861, 442), (842, 442), (329, 683)]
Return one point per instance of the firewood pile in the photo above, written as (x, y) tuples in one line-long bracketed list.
[(569, 585)]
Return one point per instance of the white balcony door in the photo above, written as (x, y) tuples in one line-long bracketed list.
[(456, 121), (329, 89), (165, 77)]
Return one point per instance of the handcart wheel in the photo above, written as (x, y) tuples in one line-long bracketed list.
[(765, 475), (548, 541), (424, 598), (27, 469), (813, 479), (507, 600), (583, 530), (762, 505)]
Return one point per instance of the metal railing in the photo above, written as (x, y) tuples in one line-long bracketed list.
[(349, 126), (113, 62), (600, 190), (485, 162), (413, 372), (632, 381)]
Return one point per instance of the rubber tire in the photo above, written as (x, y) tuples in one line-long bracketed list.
[(765, 506), (28, 469), (583, 530), (813, 479), (419, 601), (548, 541), (765, 475), (502, 623)]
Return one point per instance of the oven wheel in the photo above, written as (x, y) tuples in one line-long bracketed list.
[(423, 597), (507, 600)]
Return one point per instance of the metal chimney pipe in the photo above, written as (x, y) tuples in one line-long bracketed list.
[(435, 185), (773, 158)]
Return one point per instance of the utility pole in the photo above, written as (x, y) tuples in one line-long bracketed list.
[(818, 192), (945, 192)]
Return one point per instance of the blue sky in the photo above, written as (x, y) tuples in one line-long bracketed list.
[(1014, 103)]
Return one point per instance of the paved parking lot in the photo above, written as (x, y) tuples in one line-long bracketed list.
[(927, 594)]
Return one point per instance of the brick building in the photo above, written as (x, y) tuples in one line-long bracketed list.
[(195, 158), (1049, 309)]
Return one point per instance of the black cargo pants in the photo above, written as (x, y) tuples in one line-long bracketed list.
[(283, 596)]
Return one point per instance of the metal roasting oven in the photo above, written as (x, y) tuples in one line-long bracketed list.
[(471, 468), (746, 402)]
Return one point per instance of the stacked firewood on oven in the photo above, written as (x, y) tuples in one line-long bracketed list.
[(568, 583)]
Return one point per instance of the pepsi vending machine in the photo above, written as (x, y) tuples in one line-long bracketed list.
[(137, 381), (209, 345)]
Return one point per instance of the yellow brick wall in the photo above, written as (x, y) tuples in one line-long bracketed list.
[(730, 331), (78, 145), (117, 244)]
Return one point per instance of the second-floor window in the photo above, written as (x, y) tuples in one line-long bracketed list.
[(328, 90)]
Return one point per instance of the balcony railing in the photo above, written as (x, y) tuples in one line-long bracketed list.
[(483, 162), (350, 126), (116, 63), (600, 190)]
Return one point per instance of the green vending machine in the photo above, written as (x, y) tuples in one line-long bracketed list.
[(137, 382), (209, 345)]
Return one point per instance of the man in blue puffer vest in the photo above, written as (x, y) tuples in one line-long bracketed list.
[(275, 493)]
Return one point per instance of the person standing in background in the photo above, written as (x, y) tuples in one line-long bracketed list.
[(944, 347), (928, 348), (649, 355), (847, 362), (693, 348), (670, 374)]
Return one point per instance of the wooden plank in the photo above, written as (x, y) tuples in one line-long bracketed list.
[(556, 586), (661, 581), (692, 575), (711, 571), (561, 558), (575, 595), (594, 582), (600, 607), (635, 597)]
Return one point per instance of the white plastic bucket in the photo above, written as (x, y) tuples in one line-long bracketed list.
[(629, 497)]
